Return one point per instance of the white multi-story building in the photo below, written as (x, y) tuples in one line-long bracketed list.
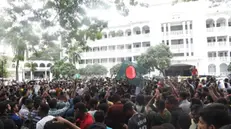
[(42, 66), (197, 34)]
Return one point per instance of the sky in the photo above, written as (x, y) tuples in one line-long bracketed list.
[(111, 15)]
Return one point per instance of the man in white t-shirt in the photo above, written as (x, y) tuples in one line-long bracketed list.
[(43, 112)]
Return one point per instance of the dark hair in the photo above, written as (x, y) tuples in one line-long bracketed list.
[(128, 107), (216, 115), (44, 108), (9, 124), (116, 98), (37, 102), (172, 100), (81, 107), (52, 125), (104, 107), (53, 103), (140, 99), (183, 95), (196, 108), (196, 101), (184, 121), (76, 100), (157, 127), (127, 95), (93, 103), (160, 105), (99, 116), (1, 125), (168, 126)]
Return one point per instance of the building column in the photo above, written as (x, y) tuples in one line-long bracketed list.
[(184, 29), (185, 47), (45, 74), (169, 32), (51, 76)]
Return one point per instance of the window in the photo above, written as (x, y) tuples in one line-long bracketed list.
[(82, 62), (176, 28), (88, 61), (162, 41), (111, 60), (191, 40), (229, 23), (129, 33), (166, 29), (128, 46), (96, 61), (186, 27), (95, 49), (167, 42), (111, 48), (186, 41), (104, 60), (129, 58), (190, 26), (162, 29), (135, 58), (137, 45), (146, 44), (192, 53), (147, 31), (120, 47), (105, 36), (178, 54), (104, 48), (119, 60), (187, 54)]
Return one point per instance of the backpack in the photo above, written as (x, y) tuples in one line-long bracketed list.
[(28, 124)]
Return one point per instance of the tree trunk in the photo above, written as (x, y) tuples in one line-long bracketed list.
[(16, 69)]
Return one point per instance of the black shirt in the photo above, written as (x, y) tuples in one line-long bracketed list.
[(137, 121)]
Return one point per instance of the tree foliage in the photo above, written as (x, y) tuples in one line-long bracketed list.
[(115, 69), (32, 66), (229, 67), (157, 57), (3, 68), (95, 69), (64, 69)]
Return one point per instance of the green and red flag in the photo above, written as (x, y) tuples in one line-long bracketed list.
[(131, 72)]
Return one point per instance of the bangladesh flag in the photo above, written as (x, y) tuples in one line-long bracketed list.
[(132, 72)]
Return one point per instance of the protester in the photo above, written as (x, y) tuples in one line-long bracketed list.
[(99, 103)]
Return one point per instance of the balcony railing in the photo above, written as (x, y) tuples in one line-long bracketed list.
[(222, 43), (224, 58), (212, 58), (179, 32), (177, 46), (210, 29), (211, 44)]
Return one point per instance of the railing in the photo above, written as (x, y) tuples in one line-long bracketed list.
[(177, 46), (211, 44), (225, 58), (222, 43), (212, 58), (210, 29), (212, 73), (179, 32)]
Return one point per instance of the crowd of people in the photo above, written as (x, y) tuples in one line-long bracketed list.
[(105, 103)]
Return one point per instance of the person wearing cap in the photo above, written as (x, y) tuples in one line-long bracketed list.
[(84, 119)]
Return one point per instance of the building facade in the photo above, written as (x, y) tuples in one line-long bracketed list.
[(197, 34)]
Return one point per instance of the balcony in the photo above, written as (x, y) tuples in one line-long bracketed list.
[(212, 59), (224, 58), (179, 32), (222, 44), (211, 44), (210, 29)]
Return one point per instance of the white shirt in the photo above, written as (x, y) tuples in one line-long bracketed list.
[(43, 121)]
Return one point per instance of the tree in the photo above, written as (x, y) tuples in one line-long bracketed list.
[(3, 67), (157, 57), (33, 67), (115, 69), (229, 67), (64, 69), (95, 69)]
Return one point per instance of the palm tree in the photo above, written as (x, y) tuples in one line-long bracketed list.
[(33, 67)]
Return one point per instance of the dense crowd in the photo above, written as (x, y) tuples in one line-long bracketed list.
[(105, 103)]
